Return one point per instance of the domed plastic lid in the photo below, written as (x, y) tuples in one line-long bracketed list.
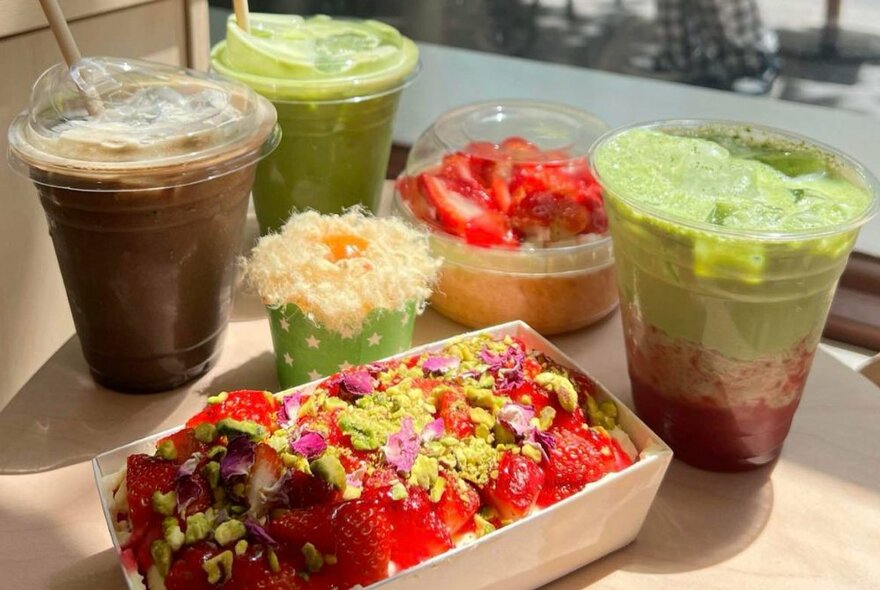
[(560, 132), (288, 57), (157, 125)]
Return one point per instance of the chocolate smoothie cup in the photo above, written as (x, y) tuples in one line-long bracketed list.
[(336, 84), (146, 205), (729, 240)]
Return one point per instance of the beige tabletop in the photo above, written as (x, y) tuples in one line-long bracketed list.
[(812, 520)]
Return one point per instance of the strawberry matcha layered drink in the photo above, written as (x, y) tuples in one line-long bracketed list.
[(729, 241), (515, 213), (336, 85)]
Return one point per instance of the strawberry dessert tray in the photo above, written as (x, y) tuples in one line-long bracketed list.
[(487, 460), (506, 191)]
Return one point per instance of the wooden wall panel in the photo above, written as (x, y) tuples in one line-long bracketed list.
[(34, 315)]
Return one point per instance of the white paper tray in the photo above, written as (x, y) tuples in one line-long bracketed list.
[(603, 517)]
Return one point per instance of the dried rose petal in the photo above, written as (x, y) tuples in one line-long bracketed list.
[(433, 430), (258, 533), (440, 365), (517, 418), (289, 409), (239, 457), (402, 447), (358, 382), (544, 441), (355, 479), (276, 494), (188, 467), (188, 490), (310, 444)]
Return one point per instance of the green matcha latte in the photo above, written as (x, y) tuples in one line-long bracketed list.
[(729, 240), (336, 84)]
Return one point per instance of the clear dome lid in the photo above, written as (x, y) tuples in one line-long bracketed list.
[(295, 58), (170, 124), (561, 133)]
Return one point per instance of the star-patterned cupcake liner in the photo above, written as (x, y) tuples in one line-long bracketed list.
[(305, 351)]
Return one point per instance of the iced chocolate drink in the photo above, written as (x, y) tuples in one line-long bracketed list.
[(146, 204)]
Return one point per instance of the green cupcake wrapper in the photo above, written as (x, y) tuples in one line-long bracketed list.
[(305, 351)]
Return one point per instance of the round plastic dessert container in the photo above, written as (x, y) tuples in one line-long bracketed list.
[(504, 263)]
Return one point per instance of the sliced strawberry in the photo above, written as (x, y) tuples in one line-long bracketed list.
[(145, 475), (455, 411), (501, 194), (245, 405), (519, 148), (458, 504), (529, 395), (419, 533), (304, 490), (265, 472), (573, 462), (454, 210), (571, 421), (185, 444), (363, 542), (457, 166), (295, 528), (251, 571), (152, 533), (514, 492), (489, 229), (613, 455), (186, 571)]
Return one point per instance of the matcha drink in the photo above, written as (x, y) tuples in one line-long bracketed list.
[(336, 85), (729, 240)]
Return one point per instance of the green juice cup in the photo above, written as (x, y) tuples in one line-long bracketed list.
[(729, 241), (336, 85)]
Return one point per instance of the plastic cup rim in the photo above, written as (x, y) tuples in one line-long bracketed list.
[(18, 165), (871, 184)]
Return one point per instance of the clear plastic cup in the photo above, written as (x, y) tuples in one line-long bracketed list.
[(554, 286), (336, 85), (146, 205), (721, 324)]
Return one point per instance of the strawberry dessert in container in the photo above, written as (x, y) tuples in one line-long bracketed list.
[(506, 190), (369, 472)]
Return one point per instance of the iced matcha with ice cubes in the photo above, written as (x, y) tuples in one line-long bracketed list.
[(336, 84), (729, 240)]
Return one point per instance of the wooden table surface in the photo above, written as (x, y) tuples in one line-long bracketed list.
[(812, 520)]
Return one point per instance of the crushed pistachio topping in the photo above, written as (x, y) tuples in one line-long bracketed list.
[(314, 559), (160, 551), (241, 547), (198, 528), (272, 558), (172, 533), (164, 504), (229, 531), (206, 432), (562, 387), (167, 450), (219, 567)]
